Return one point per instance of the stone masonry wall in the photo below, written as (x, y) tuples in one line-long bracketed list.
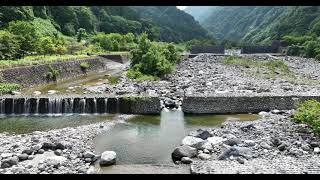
[(241, 104), (32, 75)]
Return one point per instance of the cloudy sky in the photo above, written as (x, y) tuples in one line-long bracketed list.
[(182, 7)]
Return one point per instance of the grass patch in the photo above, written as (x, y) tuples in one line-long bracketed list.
[(113, 79), (275, 66), (6, 88), (37, 60), (308, 113)]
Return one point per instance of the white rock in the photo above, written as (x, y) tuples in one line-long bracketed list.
[(200, 72), (204, 156), (36, 93), (316, 150), (108, 158), (52, 92), (209, 84), (6, 155), (263, 113), (215, 140), (191, 141), (15, 92)]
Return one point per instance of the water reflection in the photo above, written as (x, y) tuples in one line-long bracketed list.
[(151, 139)]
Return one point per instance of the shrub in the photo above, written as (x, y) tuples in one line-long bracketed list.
[(84, 66), (52, 73), (152, 59), (9, 46), (308, 113), (9, 87)]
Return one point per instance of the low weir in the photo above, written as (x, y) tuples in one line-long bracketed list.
[(81, 105)]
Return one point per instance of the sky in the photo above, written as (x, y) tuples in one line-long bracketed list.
[(182, 7)]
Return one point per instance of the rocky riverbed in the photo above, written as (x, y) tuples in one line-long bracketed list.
[(60, 151), (272, 144), (207, 75)]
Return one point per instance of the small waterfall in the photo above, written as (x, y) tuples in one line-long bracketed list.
[(36, 106)]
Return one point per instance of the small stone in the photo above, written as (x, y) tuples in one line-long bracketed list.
[(36, 147), (27, 151), (40, 151), (316, 150), (88, 154), (305, 147), (87, 160), (30, 157), (314, 144), (36, 93), (206, 151), (282, 147), (240, 160), (249, 142), (265, 145), (186, 160), (58, 152), (23, 157), (204, 156)]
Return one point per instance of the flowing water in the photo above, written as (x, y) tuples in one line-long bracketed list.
[(150, 140)]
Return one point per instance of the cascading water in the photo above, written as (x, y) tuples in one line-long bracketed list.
[(55, 106)]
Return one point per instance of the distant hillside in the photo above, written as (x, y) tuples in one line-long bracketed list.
[(259, 24), (164, 23), (175, 25)]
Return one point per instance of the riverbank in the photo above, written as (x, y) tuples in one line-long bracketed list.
[(59, 151), (272, 144)]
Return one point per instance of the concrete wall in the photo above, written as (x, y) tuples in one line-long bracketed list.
[(32, 75), (207, 49), (116, 58), (241, 104)]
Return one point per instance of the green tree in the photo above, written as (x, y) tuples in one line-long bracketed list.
[(46, 45), (81, 34), (9, 46), (27, 35)]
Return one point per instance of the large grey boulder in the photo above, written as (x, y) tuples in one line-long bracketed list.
[(183, 151), (108, 158)]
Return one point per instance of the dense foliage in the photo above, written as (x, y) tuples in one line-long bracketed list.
[(8, 87), (150, 60), (308, 113), (260, 24), (307, 46)]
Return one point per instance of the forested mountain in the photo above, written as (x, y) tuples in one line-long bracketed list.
[(164, 23), (175, 25), (259, 24)]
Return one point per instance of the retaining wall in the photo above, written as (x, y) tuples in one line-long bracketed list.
[(207, 49), (241, 104), (116, 58), (32, 75)]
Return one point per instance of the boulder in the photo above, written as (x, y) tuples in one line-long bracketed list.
[(203, 134), (108, 158), (186, 160), (183, 151), (215, 140), (23, 157), (27, 151), (192, 141), (48, 145)]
